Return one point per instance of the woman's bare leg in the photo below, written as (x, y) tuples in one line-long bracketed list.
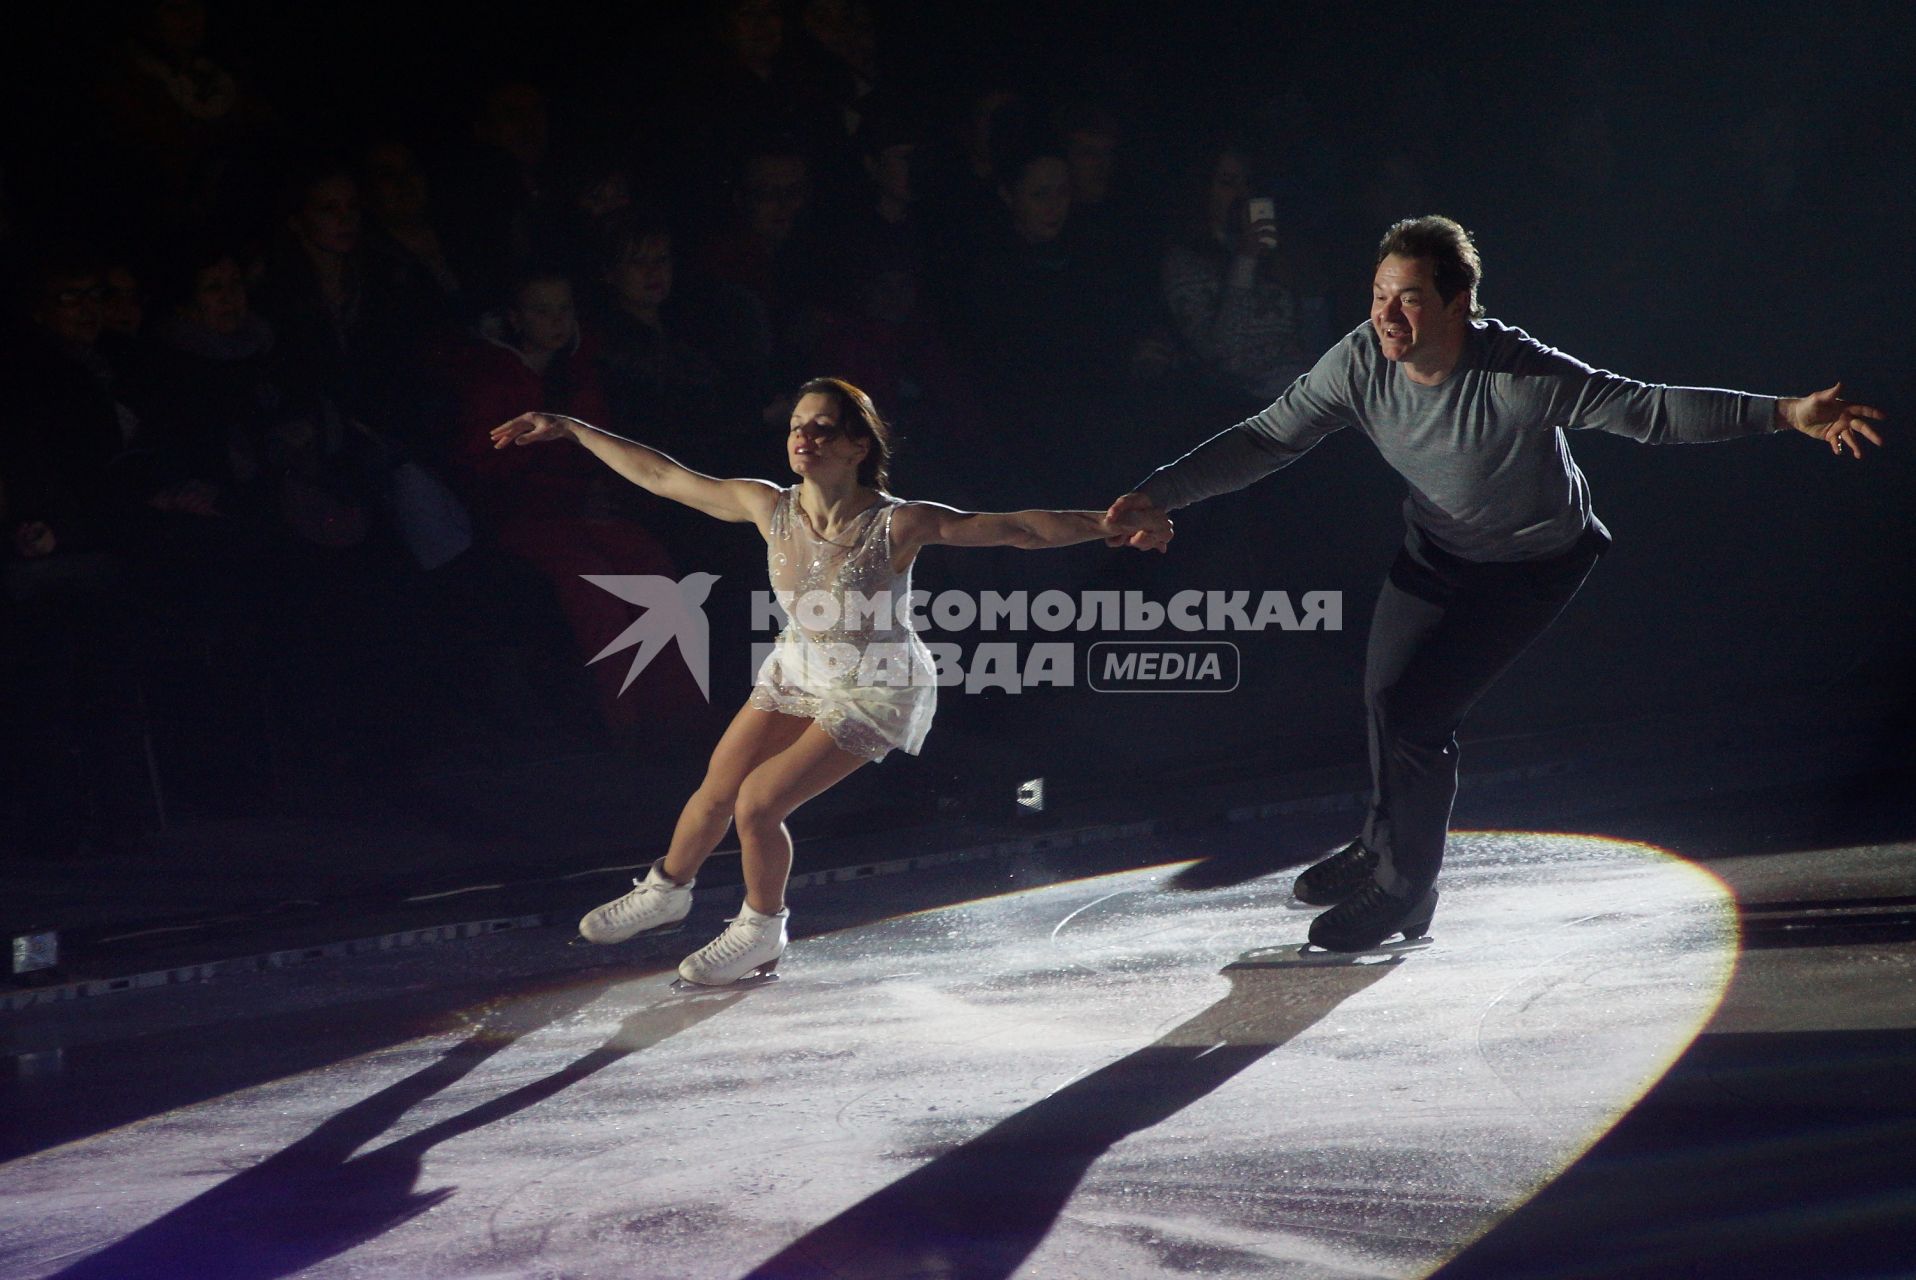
[(812, 764), (753, 737)]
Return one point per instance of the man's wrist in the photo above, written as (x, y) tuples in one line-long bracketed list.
[(1782, 419)]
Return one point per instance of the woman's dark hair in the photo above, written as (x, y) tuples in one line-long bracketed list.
[(627, 231), (1453, 254), (1190, 223), (1019, 145), (561, 377), (304, 170), (178, 278), (859, 420)]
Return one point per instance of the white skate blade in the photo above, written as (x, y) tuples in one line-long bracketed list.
[(755, 979), (1308, 956)]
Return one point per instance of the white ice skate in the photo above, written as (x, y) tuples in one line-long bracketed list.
[(653, 903), (749, 948)]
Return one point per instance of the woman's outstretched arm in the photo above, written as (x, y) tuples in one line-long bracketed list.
[(739, 501), (925, 524)]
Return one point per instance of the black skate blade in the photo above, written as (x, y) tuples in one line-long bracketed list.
[(1308, 956), (681, 987)]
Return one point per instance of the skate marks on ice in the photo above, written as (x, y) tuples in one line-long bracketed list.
[(981, 1208), (1057, 1082), (1366, 1116)]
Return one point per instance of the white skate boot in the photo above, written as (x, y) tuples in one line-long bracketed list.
[(751, 944), (654, 902)]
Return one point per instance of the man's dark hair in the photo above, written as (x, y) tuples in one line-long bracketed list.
[(885, 122), (768, 144), (52, 263), (1449, 247), (1015, 149), (306, 168), (527, 272), (1086, 115)]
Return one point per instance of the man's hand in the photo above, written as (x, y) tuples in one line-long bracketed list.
[(1139, 523), (1839, 423)]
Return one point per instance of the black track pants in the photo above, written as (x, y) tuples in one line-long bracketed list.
[(1444, 630)]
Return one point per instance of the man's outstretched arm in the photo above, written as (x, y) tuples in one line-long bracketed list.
[(1560, 388), (1310, 409)]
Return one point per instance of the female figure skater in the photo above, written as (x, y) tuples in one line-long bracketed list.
[(842, 686)]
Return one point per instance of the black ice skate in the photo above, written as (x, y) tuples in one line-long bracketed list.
[(1368, 917), (1327, 883)]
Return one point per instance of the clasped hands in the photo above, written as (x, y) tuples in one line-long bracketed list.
[(1140, 523)]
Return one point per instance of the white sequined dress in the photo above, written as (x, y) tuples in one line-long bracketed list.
[(848, 657)]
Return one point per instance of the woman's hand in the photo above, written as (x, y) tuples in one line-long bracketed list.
[(534, 428), (1256, 229)]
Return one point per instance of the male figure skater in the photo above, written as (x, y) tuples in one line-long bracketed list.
[(1500, 534)]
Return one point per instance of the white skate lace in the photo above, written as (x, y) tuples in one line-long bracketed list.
[(625, 908), (737, 939)]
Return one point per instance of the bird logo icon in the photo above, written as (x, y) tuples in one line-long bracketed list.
[(674, 610)]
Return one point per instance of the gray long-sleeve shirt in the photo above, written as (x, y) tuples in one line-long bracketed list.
[(1484, 452)]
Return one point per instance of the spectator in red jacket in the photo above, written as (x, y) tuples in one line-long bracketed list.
[(558, 510)]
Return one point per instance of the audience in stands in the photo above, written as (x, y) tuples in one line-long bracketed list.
[(494, 190), (284, 374), (1245, 294), (557, 510), (180, 126), (405, 252)]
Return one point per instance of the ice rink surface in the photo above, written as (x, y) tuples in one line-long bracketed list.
[(1124, 1075)]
